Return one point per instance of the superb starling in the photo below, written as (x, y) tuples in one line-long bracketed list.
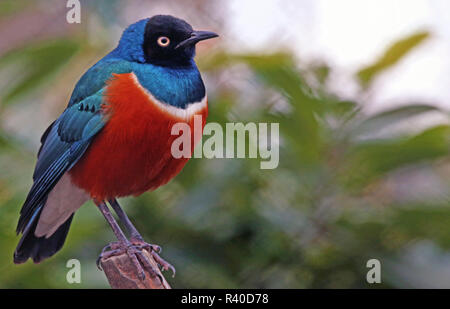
[(114, 138)]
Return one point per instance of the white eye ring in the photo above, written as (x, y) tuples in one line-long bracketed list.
[(163, 41)]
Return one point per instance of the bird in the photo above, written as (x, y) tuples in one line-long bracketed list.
[(114, 138)]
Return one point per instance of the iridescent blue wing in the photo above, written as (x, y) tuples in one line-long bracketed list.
[(65, 143)]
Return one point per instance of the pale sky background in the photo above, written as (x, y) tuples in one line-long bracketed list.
[(349, 34)]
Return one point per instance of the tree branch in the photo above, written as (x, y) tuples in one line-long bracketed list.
[(123, 274)]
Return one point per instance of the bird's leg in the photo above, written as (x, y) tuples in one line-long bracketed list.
[(123, 245), (135, 236), (137, 239)]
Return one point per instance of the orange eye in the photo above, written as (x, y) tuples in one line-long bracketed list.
[(163, 41)]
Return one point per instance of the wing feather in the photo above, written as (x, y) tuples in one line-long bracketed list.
[(65, 143)]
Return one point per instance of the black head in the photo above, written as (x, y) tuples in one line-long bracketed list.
[(170, 41)]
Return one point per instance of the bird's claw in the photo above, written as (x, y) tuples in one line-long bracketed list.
[(135, 254), (140, 243), (161, 262), (154, 250)]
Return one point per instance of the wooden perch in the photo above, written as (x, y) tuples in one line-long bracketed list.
[(123, 274)]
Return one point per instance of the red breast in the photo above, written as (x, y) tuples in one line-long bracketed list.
[(132, 154)]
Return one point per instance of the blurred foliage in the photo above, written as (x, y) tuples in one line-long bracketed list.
[(392, 55), (341, 195), (38, 62)]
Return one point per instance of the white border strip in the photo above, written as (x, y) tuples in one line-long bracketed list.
[(182, 113)]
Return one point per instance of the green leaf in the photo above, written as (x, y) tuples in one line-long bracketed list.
[(424, 221), (391, 57), (393, 116), (368, 161)]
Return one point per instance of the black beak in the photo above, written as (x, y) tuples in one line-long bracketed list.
[(196, 37)]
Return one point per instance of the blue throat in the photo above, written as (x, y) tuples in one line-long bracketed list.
[(177, 86)]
